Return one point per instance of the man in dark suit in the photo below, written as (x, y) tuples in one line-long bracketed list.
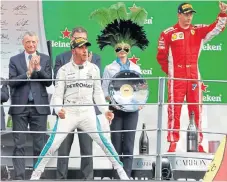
[(84, 139), (27, 66), (4, 98)]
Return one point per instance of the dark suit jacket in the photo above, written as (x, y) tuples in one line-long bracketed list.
[(4, 98), (65, 57), (20, 89)]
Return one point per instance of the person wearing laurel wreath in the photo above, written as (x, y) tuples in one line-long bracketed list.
[(122, 31)]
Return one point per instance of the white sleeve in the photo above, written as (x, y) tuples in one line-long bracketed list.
[(59, 90), (98, 94), (105, 83)]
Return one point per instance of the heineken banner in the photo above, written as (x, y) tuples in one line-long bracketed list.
[(58, 18)]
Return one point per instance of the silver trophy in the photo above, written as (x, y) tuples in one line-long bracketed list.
[(128, 94)]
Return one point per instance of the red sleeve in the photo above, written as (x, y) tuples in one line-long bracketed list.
[(163, 52), (208, 32)]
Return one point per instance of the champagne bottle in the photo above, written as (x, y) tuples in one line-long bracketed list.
[(192, 135), (48, 125), (144, 142), (9, 122)]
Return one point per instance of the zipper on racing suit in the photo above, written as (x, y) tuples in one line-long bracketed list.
[(78, 92)]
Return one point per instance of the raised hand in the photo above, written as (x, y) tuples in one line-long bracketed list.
[(223, 7)]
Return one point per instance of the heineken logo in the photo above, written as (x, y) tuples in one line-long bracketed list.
[(204, 87), (211, 98), (135, 8), (209, 47), (208, 97), (66, 33), (135, 60), (60, 44)]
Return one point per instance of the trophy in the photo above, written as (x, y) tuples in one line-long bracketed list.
[(128, 94)]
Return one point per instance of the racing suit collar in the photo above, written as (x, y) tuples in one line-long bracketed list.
[(182, 29), (84, 64)]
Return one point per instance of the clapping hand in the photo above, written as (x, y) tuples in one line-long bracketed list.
[(31, 67), (36, 61)]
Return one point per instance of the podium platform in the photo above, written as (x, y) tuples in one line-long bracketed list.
[(183, 165), (189, 165)]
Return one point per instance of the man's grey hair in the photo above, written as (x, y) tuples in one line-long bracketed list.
[(30, 33), (78, 30)]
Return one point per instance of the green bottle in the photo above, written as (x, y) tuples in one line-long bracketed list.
[(9, 122)]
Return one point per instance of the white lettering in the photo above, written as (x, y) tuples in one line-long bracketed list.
[(147, 72), (208, 47), (149, 21), (210, 98), (60, 44)]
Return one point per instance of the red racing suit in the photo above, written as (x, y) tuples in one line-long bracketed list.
[(178, 55)]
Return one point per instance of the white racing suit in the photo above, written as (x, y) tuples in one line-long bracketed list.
[(78, 92)]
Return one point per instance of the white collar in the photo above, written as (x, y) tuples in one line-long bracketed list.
[(26, 54)]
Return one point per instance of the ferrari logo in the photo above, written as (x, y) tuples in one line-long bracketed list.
[(174, 37), (193, 32)]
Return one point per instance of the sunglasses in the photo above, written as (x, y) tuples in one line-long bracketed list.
[(118, 49)]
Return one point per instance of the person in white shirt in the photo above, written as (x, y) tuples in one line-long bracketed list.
[(81, 85)]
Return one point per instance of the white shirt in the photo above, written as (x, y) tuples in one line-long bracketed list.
[(26, 57)]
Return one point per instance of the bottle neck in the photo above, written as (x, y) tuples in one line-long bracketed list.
[(192, 119)]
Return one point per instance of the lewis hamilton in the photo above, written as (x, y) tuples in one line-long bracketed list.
[(72, 90)]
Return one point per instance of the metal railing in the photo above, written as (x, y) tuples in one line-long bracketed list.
[(159, 129)]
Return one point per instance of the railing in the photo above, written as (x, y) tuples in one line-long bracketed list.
[(159, 129)]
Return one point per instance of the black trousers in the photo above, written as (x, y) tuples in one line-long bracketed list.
[(124, 141), (85, 142), (36, 122)]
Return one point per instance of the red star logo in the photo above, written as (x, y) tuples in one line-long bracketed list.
[(134, 59), (204, 87), (66, 33)]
